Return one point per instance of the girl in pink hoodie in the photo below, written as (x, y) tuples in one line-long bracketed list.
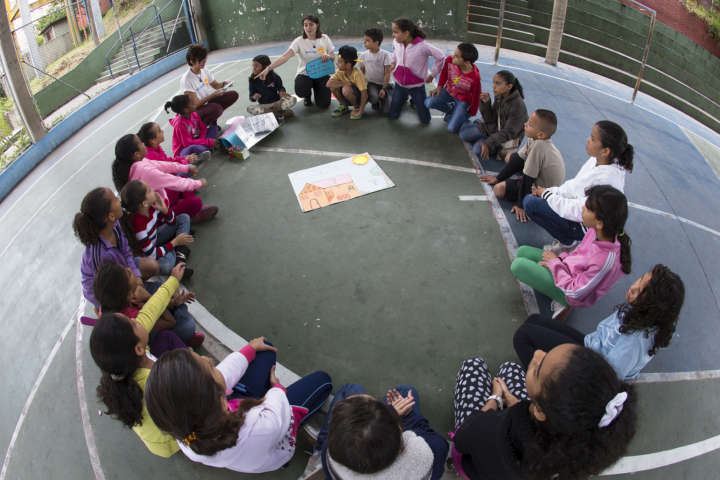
[(190, 135), (579, 278), (410, 56)]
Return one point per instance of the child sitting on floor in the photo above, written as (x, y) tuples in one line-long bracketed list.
[(458, 90), (539, 160), (118, 345), (153, 136), (269, 93), (629, 338), (97, 226), (376, 65), (578, 279), (155, 230), (190, 135), (368, 438), (115, 288), (348, 84)]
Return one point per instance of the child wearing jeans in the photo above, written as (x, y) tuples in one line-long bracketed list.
[(458, 90), (410, 55), (155, 229), (348, 84), (376, 64), (540, 162), (578, 279), (269, 92), (368, 438)]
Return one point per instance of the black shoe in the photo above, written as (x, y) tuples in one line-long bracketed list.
[(187, 274), (308, 102), (183, 251)]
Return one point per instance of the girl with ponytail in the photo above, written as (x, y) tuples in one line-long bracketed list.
[(410, 55), (559, 209), (503, 122), (97, 226), (578, 279), (119, 347)]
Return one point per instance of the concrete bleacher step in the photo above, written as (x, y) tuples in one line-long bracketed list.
[(482, 28), (495, 12), (510, 43)]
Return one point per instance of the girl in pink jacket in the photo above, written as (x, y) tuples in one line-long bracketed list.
[(131, 164), (190, 135), (410, 56), (579, 278)]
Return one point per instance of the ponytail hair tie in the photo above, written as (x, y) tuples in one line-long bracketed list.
[(189, 439), (621, 234), (117, 378), (613, 409)]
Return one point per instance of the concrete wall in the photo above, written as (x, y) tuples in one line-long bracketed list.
[(53, 49), (84, 75), (231, 23)]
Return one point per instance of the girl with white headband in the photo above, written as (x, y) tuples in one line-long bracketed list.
[(574, 419)]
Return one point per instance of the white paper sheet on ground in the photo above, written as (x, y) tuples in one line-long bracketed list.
[(338, 181), (244, 132)]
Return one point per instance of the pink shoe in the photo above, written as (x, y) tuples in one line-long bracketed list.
[(206, 213), (196, 340)]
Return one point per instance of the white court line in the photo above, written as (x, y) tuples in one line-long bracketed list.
[(473, 198), (34, 389), (674, 217), (84, 413), (408, 161), (664, 377)]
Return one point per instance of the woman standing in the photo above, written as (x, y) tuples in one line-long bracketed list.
[(311, 45)]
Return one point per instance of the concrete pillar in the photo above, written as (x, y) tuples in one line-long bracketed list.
[(198, 21), (19, 90), (30, 36), (556, 32)]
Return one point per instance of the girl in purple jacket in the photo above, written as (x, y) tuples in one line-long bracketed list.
[(579, 278), (410, 56)]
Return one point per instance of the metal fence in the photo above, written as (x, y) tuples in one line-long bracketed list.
[(73, 50)]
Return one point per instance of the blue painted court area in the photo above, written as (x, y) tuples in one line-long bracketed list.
[(49, 379)]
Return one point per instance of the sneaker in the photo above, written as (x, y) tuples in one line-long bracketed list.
[(203, 157), (560, 312), (313, 469), (288, 113), (206, 213), (255, 110), (557, 248), (188, 274), (196, 340), (183, 251), (356, 115), (288, 102), (340, 111), (308, 102)]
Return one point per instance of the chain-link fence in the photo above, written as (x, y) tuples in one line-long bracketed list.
[(70, 51)]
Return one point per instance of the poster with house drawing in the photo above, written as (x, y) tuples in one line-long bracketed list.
[(338, 181)]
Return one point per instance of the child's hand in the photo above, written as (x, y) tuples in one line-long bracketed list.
[(547, 256), (258, 344), (284, 95), (178, 271), (325, 58), (256, 96), (429, 78), (485, 153), (382, 93), (182, 239), (158, 203), (508, 398), (497, 386), (192, 158), (484, 97), (491, 179), (193, 170), (203, 181), (273, 378), (507, 157), (538, 191), (402, 405), (435, 91), (520, 214), (263, 74)]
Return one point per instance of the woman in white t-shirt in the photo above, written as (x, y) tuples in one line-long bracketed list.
[(313, 44), (211, 97)]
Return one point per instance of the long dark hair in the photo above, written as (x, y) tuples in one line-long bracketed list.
[(132, 196), (612, 136), (111, 287), (316, 21), (610, 207), (112, 346), (569, 443), (407, 25), (125, 148), (91, 218), (178, 104), (511, 79), (656, 309), (184, 400), (364, 434), (263, 60)]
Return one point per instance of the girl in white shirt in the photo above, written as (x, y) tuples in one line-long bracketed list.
[(186, 396), (311, 45)]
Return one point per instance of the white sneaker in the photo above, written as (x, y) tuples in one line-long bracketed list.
[(559, 311), (557, 248), (255, 110), (313, 469), (203, 157), (288, 103)]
